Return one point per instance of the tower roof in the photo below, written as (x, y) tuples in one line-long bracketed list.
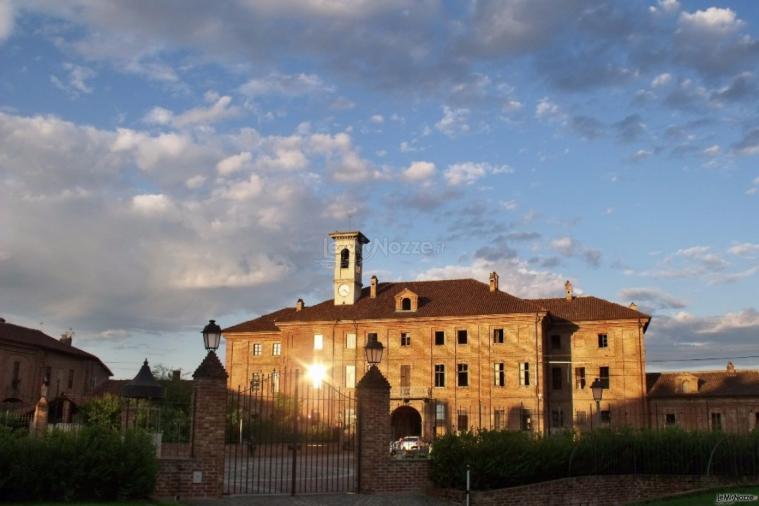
[(349, 234)]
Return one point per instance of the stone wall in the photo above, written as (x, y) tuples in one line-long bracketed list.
[(592, 490)]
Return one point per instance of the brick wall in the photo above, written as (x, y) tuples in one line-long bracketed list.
[(201, 475), (592, 490), (377, 471)]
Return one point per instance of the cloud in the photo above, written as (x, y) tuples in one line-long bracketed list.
[(548, 110), (749, 144), (454, 121), (661, 80), (712, 21), (75, 80), (586, 127), (286, 85), (221, 108), (684, 340), (516, 277), (744, 249), (149, 204), (630, 129), (233, 163), (571, 247), (652, 297), (6, 19), (469, 172), (377, 119), (419, 171), (704, 256)]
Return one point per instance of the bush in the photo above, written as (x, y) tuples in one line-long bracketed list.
[(95, 463), (499, 459)]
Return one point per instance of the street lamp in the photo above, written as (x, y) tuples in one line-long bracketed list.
[(598, 392), (374, 351), (212, 335)]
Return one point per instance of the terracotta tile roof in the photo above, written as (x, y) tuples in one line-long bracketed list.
[(453, 297), (263, 323), (36, 338), (710, 384), (588, 309)]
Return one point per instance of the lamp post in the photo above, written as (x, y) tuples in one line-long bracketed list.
[(211, 336), (374, 351), (598, 392)]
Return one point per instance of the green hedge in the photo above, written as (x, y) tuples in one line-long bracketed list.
[(91, 464), (499, 459)]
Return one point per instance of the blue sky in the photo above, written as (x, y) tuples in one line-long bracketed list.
[(163, 164)]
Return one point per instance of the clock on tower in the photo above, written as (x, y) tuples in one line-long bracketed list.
[(348, 263)]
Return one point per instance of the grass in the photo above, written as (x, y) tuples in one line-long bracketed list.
[(702, 498)]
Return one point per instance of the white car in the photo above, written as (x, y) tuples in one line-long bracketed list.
[(410, 443)]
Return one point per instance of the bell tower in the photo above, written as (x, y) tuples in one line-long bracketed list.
[(348, 265)]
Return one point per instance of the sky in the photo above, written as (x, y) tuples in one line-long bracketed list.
[(165, 163)]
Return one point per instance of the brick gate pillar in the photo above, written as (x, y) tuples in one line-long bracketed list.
[(209, 422), (374, 431)]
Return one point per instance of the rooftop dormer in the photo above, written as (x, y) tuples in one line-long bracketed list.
[(406, 300)]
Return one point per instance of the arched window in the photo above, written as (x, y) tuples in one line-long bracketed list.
[(406, 304), (345, 258)]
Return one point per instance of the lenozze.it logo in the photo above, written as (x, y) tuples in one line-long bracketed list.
[(732, 498), (387, 247)]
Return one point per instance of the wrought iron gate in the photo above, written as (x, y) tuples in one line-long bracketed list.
[(287, 435)]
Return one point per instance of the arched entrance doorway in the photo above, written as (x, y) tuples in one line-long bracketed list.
[(406, 421)]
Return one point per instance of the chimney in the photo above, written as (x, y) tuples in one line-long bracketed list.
[(67, 337), (493, 281), (633, 306), (569, 290), (730, 368), (299, 305), (176, 375), (373, 287)]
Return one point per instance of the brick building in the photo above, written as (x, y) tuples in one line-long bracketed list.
[(705, 400), (28, 357), (458, 353)]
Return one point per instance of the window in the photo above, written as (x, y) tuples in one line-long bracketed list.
[(350, 376), (318, 342), (255, 381), (275, 381), (16, 377), (498, 336), (582, 418), (276, 349), (603, 341), (439, 375), (579, 378), (71, 379), (463, 420), (555, 342), (670, 419), (439, 337), (439, 413), (463, 375), (405, 304), (557, 418), (499, 374), (350, 340), (405, 376), (556, 378), (405, 339), (603, 374), (499, 419), (257, 349), (462, 336), (345, 256), (605, 416), (525, 420), (524, 374), (716, 421)]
